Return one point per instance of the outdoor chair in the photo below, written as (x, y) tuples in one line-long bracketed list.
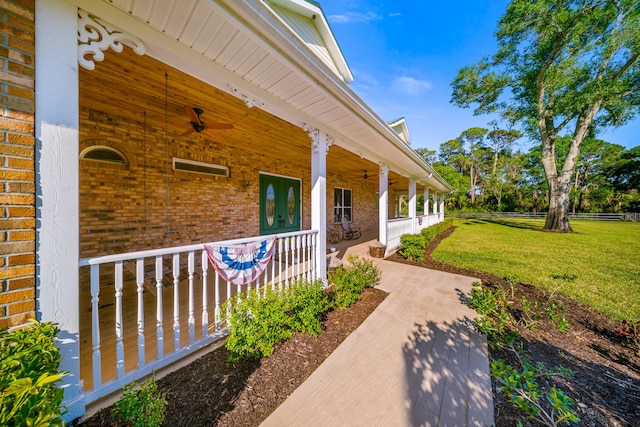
[(349, 232)]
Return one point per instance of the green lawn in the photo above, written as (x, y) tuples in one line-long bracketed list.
[(598, 265)]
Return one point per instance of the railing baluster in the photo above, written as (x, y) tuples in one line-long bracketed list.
[(280, 247), (140, 287), (176, 302), (273, 270), (159, 331), (286, 260), (228, 297), (298, 258), (95, 326), (119, 343), (304, 257), (217, 312), (313, 256), (191, 265), (205, 296)]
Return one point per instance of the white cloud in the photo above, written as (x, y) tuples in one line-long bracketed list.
[(411, 86), (354, 17), (394, 14)]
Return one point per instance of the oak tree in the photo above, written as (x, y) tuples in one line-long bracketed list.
[(563, 67)]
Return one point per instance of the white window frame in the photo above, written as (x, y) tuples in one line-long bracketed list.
[(343, 207)]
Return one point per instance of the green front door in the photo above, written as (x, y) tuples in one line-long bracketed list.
[(279, 204)]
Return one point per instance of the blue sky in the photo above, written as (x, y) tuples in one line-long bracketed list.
[(405, 54)]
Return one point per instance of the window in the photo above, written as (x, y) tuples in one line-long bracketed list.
[(200, 167), (341, 204), (102, 153)]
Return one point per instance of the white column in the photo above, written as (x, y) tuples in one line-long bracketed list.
[(442, 206), (57, 186), (426, 204), (383, 211), (319, 149), (412, 205), (435, 203)]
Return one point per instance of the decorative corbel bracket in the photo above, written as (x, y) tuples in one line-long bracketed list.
[(314, 134), (96, 36), (383, 169), (248, 99)]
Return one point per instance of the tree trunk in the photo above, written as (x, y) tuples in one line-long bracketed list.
[(558, 215), (473, 186), (560, 182)]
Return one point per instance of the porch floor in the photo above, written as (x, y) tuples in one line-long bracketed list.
[(416, 361)]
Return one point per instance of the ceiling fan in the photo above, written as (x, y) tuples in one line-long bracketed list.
[(199, 126)]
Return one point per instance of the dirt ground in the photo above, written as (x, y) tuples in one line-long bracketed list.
[(606, 386)]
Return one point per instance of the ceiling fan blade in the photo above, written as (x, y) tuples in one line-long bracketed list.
[(213, 134), (188, 132), (192, 114), (218, 126)]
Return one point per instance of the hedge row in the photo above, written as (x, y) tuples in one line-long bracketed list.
[(412, 246)]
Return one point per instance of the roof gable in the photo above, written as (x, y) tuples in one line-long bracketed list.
[(307, 21), (399, 126)]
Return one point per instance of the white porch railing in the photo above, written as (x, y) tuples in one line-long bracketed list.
[(175, 290), (396, 228)]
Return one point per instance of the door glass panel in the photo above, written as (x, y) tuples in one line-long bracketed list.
[(291, 205), (270, 204)]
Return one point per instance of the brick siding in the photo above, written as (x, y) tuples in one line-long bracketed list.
[(17, 163), (146, 204)]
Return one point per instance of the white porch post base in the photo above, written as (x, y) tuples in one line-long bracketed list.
[(57, 192)]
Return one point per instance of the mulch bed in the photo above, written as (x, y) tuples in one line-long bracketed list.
[(215, 392), (606, 384)]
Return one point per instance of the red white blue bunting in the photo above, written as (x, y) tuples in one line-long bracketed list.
[(241, 264)]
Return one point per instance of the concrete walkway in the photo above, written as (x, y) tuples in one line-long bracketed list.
[(416, 361)]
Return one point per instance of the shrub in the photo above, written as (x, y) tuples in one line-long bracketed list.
[(347, 283), (141, 406), (520, 385), (520, 382), (493, 307), (258, 320), (29, 369), (412, 246), (303, 306)]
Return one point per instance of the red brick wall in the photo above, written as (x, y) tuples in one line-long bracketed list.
[(184, 208), (17, 163)]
